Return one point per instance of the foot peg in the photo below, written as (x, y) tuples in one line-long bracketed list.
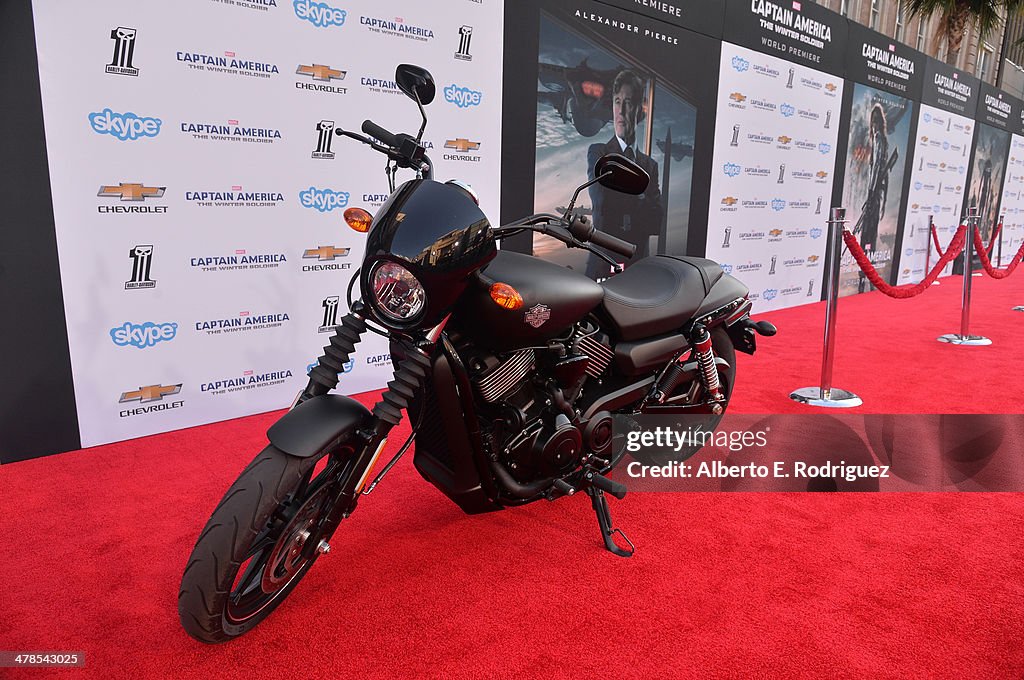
[(605, 484), (765, 328)]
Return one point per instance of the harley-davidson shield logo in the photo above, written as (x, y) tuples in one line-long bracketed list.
[(537, 315)]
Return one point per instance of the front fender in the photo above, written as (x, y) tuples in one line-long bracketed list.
[(318, 424)]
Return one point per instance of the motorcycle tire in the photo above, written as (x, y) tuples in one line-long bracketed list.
[(243, 519), (723, 347)]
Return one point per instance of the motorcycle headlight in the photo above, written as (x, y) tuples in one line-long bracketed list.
[(397, 293)]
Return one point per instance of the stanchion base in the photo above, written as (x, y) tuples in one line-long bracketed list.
[(957, 339), (833, 398), (1019, 308)]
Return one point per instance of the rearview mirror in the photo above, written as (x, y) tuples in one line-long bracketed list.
[(618, 173), (415, 81)]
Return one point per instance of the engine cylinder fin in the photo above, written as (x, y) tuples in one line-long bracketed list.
[(600, 356), (507, 376)]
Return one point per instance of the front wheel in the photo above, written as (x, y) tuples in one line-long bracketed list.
[(260, 541)]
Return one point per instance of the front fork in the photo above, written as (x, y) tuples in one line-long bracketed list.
[(408, 379)]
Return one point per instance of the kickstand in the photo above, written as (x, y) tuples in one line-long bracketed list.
[(604, 520)]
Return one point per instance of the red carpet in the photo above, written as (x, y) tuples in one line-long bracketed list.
[(886, 353), (738, 585)]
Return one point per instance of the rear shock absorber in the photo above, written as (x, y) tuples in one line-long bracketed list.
[(706, 368)]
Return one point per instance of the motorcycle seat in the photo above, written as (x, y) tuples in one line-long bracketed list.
[(657, 294)]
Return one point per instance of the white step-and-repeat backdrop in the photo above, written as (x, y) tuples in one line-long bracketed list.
[(771, 184), (198, 191)]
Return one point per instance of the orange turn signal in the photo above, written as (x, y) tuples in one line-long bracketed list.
[(506, 296), (358, 219)]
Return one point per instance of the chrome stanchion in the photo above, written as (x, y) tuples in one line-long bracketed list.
[(964, 337), (928, 253), (826, 395), (999, 246)]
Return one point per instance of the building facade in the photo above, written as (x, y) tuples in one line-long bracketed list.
[(977, 56)]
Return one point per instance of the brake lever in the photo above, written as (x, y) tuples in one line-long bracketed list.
[(565, 236), (370, 142)]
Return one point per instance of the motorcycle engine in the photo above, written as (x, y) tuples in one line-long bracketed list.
[(525, 407)]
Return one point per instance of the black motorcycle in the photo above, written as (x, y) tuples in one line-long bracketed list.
[(510, 367)]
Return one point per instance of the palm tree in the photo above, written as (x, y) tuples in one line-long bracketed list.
[(956, 15)]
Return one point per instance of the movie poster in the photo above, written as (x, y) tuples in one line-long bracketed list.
[(942, 158), (989, 167), (872, 187), (999, 117), (600, 90)]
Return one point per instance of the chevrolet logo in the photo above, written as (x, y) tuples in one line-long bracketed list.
[(131, 192), (737, 97), (775, 232), (813, 258), (821, 174), (324, 253), (461, 145), (150, 393), (320, 72), (785, 140), (830, 87), (924, 138), (729, 200)]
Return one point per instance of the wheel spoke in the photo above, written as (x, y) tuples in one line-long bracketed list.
[(264, 542), (251, 578)]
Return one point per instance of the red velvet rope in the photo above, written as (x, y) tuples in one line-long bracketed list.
[(909, 290), (935, 239), (987, 264), (995, 235)]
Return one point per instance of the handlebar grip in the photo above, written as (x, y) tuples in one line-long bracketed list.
[(616, 245), (377, 132)]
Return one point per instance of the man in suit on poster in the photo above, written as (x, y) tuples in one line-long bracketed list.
[(631, 218)]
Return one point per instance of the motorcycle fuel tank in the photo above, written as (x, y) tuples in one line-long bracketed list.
[(554, 298)]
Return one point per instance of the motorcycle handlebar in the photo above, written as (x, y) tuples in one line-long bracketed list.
[(377, 132), (584, 230), (616, 245)]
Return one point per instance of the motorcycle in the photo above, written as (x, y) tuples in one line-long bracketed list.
[(511, 369)]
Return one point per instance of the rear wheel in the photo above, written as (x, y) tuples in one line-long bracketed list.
[(260, 541), (722, 345)]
